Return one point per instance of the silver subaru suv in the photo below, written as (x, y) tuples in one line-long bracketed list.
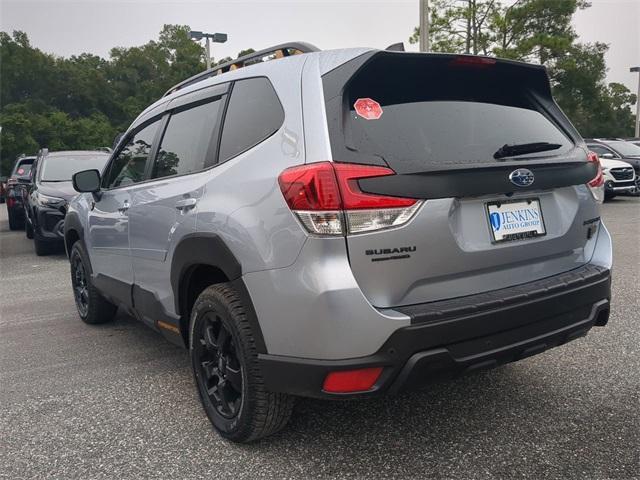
[(349, 223)]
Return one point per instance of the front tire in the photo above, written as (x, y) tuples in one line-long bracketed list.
[(42, 247), (225, 365), (92, 307)]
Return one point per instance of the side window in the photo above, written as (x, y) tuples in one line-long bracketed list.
[(254, 113), (128, 166), (186, 140)]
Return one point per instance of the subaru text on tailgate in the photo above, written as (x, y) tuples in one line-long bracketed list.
[(345, 224)]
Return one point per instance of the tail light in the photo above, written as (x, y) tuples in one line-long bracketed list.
[(327, 199), (596, 186), (471, 61)]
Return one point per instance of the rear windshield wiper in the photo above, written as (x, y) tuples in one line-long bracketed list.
[(522, 148)]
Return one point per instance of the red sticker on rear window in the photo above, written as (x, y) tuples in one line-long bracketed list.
[(20, 171), (368, 108)]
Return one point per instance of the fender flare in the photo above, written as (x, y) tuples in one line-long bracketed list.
[(72, 222), (211, 250)]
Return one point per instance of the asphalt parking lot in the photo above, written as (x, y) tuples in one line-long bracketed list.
[(118, 401)]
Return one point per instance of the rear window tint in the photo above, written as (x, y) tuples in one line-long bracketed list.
[(23, 169), (436, 118), (254, 114)]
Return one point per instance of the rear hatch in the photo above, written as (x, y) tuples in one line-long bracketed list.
[(499, 172)]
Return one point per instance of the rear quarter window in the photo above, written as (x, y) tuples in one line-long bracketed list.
[(254, 114)]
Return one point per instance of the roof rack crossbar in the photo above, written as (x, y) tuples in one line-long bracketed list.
[(282, 50)]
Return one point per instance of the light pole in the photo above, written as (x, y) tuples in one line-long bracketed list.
[(215, 37), (637, 70), (424, 25)]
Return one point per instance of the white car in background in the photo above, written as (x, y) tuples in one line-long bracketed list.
[(619, 177)]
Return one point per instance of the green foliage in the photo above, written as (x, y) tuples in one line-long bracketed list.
[(84, 101), (538, 31)]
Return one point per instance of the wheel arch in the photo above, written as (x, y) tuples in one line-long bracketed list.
[(200, 260), (73, 231)]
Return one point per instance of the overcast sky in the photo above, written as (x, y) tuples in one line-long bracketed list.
[(71, 27)]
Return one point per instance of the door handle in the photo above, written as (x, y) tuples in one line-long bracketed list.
[(186, 204), (124, 207)]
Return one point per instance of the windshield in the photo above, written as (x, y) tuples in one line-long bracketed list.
[(61, 168), (626, 149)]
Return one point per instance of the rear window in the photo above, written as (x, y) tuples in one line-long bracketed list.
[(435, 116), (61, 168), (23, 169)]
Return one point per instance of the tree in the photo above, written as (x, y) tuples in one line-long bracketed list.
[(460, 26), (539, 31)]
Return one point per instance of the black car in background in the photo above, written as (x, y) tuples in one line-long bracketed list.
[(618, 149), (16, 186), (46, 199)]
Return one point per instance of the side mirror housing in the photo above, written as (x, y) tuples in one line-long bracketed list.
[(607, 155), (87, 181)]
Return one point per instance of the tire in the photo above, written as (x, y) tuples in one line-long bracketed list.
[(97, 309), (28, 230), (226, 366), (42, 246), (14, 223)]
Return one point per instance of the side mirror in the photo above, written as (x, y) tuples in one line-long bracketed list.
[(607, 155), (87, 181)]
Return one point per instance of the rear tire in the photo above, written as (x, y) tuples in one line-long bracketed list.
[(92, 307), (225, 365)]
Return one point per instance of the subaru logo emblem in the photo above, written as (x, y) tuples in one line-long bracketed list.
[(521, 177)]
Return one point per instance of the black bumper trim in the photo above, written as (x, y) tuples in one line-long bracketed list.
[(479, 337)]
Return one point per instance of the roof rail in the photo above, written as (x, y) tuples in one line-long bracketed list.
[(277, 52)]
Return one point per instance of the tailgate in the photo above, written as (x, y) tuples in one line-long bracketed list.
[(500, 172)]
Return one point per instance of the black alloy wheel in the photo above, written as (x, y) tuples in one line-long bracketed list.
[(220, 370), (80, 286)]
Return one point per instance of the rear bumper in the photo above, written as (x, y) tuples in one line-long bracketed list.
[(452, 337)]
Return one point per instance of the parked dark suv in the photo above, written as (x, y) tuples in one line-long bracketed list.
[(16, 186), (48, 195)]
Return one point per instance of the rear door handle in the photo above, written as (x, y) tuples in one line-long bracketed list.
[(186, 204)]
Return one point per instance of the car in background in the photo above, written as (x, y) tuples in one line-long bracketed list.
[(634, 140), (619, 178), (3, 188), (47, 197), (16, 184), (618, 149)]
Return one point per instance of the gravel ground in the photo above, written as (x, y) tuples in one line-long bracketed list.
[(118, 401)]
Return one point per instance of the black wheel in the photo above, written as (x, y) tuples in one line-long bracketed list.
[(28, 230), (224, 360), (92, 307), (14, 223)]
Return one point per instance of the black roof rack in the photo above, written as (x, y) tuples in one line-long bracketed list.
[(277, 52)]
